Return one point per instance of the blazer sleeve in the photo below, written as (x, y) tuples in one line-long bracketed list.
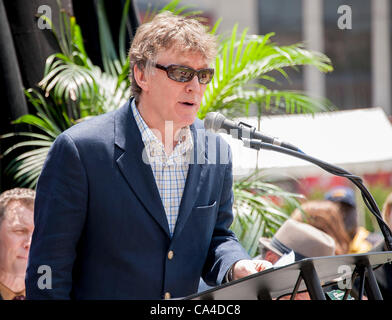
[(225, 249), (59, 215)]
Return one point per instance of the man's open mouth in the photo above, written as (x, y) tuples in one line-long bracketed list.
[(187, 103)]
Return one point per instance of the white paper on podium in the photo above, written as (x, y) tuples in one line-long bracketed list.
[(285, 260)]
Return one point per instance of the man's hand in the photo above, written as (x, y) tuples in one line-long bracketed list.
[(243, 268)]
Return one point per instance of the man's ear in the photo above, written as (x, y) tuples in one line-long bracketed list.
[(140, 77)]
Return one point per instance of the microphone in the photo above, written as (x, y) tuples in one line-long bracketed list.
[(216, 121)]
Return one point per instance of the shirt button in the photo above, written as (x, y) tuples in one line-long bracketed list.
[(167, 295), (170, 255)]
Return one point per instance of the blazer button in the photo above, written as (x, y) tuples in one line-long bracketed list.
[(167, 295), (170, 255)]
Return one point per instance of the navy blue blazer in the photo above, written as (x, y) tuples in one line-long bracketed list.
[(102, 229)]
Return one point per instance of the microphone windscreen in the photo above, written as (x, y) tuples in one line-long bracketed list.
[(213, 121)]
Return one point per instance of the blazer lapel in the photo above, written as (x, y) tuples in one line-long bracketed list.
[(138, 174)]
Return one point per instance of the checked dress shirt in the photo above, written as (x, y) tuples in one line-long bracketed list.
[(170, 171)]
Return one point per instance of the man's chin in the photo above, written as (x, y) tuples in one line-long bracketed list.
[(186, 117), (188, 123), (20, 267), (187, 120)]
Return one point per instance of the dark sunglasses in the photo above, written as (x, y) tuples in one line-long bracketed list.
[(186, 74)]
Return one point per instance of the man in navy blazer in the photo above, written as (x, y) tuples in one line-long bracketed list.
[(112, 224)]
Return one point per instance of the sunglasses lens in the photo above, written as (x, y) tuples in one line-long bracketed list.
[(205, 76), (181, 74), (185, 74)]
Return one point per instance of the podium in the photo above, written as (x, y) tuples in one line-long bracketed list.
[(311, 274)]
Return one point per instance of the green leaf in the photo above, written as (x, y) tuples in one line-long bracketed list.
[(26, 134), (216, 26), (33, 143), (122, 33), (37, 122)]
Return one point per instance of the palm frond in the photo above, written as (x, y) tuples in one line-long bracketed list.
[(70, 81), (50, 117), (252, 57), (289, 101), (49, 121), (26, 167)]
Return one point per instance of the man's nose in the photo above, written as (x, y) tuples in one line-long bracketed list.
[(27, 242), (193, 85)]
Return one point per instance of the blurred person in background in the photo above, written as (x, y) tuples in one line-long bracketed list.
[(16, 228), (361, 240), (305, 240), (325, 216)]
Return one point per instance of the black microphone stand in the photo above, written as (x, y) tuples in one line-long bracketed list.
[(367, 197)]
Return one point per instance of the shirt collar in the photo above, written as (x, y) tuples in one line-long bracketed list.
[(7, 294), (147, 135)]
